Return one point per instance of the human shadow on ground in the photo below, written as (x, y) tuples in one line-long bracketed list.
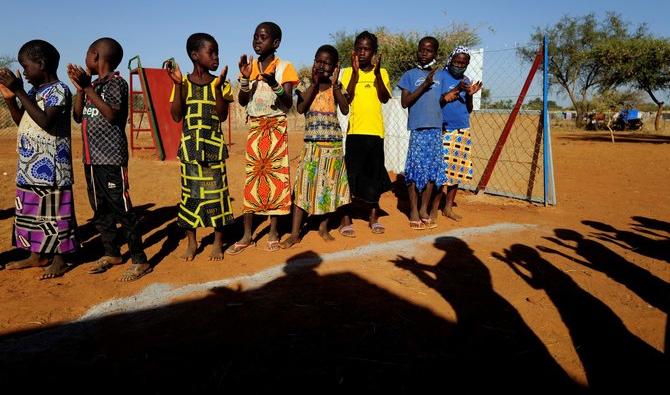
[(299, 332), (614, 359)]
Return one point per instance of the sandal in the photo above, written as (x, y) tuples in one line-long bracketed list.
[(417, 225), (135, 272), (429, 222), (347, 231), (377, 228), (237, 248), (102, 265), (273, 245)]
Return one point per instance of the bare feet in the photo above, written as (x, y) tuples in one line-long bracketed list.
[(34, 260), (325, 235), (57, 268), (217, 253), (136, 271), (289, 242), (449, 213), (189, 253)]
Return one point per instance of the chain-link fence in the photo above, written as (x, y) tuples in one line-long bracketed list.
[(519, 170)]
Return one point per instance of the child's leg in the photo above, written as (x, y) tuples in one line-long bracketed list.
[(424, 211), (346, 227), (192, 245), (296, 225), (323, 229), (217, 247), (273, 235), (58, 267), (131, 225), (103, 196), (448, 207), (435, 204), (245, 241), (375, 225), (413, 204), (34, 260), (248, 222)]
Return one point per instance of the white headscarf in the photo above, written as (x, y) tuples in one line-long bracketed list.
[(456, 51)]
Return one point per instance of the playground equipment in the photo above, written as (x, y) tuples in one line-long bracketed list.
[(152, 87)]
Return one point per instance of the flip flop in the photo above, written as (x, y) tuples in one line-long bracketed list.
[(273, 245), (102, 265), (430, 224), (377, 228), (417, 225), (237, 248), (347, 231), (133, 274)]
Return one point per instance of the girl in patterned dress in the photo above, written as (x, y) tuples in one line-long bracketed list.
[(321, 185), (45, 222), (201, 100), (456, 138), (266, 89)]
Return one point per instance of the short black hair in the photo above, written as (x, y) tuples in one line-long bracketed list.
[(433, 40), (273, 29), (367, 35), (329, 49), (110, 49), (197, 40), (41, 51)]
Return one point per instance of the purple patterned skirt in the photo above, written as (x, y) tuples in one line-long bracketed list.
[(45, 221)]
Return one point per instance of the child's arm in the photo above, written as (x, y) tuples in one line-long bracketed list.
[(408, 99), (382, 93), (177, 106), (43, 118), (221, 102), (78, 106), (450, 96), (351, 87), (83, 80), (10, 99), (245, 65), (305, 100), (470, 91), (284, 92), (340, 100)]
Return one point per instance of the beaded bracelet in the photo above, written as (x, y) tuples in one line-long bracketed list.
[(279, 91), (244, 85)]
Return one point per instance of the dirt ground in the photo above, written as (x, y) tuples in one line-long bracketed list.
[(515, 296)]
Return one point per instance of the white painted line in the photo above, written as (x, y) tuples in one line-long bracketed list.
[(159, 294)]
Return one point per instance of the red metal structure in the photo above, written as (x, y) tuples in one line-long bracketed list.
[(154, 87), (493, 160)]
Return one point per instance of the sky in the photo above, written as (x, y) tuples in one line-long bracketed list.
[(157, 30)]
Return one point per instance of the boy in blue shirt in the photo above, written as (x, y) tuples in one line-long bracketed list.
[(422, 88)]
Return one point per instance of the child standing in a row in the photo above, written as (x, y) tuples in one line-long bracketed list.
[(367, 88), (201, 100), (101, 107), (457, 141), (422, 88), (266, 89), (321, 185), (45, 222)]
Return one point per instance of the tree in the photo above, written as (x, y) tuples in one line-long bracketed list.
[(6, 61), (641, 62), (537, 104), (399, 49), (572, 44)]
